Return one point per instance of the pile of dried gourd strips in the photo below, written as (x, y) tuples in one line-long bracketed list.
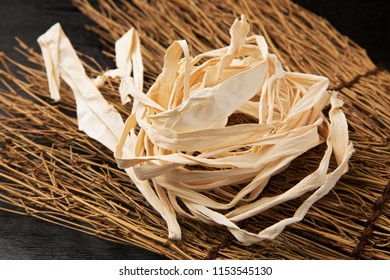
[(176, 145)]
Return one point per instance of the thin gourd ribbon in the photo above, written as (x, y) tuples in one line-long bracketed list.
[(176, 145)]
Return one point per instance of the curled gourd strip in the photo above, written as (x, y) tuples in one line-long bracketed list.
[(185, 149)]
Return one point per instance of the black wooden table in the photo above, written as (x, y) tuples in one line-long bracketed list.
[(22, 237)]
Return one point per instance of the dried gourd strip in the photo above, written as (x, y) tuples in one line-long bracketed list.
[(184, 148), (96, 117), (127, 56)]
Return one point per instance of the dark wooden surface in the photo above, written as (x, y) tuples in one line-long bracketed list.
[(21, 237), (365, 22)]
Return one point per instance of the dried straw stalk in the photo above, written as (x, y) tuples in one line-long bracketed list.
[(52, 171)]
